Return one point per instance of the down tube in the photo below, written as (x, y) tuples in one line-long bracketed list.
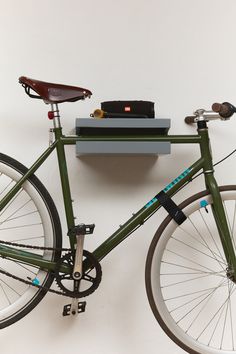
[(139, 218)]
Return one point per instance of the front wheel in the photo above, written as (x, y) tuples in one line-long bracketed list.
[(29, 218), (190, 288)]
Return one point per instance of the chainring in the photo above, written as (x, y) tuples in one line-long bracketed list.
[(88, 282)]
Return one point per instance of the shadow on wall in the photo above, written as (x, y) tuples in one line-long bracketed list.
[(127, 170), (136, 169)]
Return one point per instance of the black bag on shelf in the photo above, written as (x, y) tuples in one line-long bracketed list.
[(128, 109)]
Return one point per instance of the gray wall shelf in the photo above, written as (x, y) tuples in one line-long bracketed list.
[(93, 131)]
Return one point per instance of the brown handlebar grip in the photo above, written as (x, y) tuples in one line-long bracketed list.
[(221, 108), (190, 119)]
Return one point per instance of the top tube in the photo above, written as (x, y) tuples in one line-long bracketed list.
[(173, 139)]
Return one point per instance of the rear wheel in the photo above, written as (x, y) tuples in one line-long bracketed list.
[(29, 218), (190, 288)]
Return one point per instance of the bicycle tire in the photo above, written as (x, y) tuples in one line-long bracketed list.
[(30, 216), (187, 278)]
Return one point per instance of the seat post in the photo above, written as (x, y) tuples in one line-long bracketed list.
[(54, 114)]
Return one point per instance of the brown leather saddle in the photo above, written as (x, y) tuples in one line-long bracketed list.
[(53, 93)]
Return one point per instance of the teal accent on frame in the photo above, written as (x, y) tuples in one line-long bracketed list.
[(151, 202), (172, 184), (177, 179)]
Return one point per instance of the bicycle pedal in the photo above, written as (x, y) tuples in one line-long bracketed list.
[(67, 309), (81, 230), (84, 229)]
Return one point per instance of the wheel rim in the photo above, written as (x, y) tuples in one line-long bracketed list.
[(25, 220), (193, 295)]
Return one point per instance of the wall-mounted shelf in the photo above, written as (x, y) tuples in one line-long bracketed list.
[(121, 136)]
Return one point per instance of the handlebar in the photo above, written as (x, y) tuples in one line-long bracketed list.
[(190, 119), (221, 111), (225, 110)]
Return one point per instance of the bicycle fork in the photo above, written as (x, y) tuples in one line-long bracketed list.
[(218, 210), (226, 235)]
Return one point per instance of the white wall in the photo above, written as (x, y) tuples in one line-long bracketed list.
[(180, 54)]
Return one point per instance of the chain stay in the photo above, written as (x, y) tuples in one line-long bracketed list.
[(29, 282)]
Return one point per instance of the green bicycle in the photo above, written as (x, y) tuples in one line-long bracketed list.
[(191, 263)]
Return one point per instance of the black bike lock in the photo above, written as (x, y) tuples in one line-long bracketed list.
[(174, 211)]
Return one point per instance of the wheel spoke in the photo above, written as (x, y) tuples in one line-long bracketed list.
[(26, 268), (208, 296), (231, 228), (189, 260), (11, 202), (201, 243), (20, 216), (192, 293), (222, 306), (212, 237), (10, 287), (189, 280), (202, 238), (15, 211), (27, 238), (187, 303), (221, 263), (226, 312), (186, 267), (6, 187), (231, 318), (4, 292)]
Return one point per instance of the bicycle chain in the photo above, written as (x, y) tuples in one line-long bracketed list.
[(10, 275), (35, 247), (32, 284)]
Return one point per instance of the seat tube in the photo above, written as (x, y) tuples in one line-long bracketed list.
[(217, 205), (63, 172)]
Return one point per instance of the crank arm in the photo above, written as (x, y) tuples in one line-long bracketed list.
[(77, 271)]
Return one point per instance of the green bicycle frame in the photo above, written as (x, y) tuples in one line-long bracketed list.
[(203, 163)]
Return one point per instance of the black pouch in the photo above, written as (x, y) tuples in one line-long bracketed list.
[(128, 109)]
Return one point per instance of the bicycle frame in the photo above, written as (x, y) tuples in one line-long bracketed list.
[(137, 219)]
